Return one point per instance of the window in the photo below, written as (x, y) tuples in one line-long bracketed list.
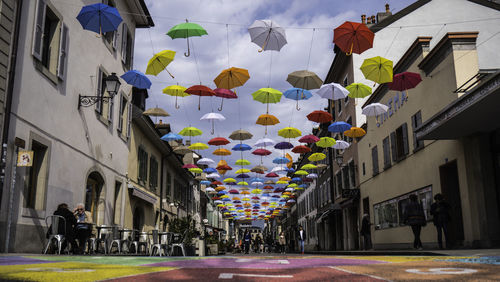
[(339, 106), (50, 41), (345, 176), (121, 112), (142, 158), (375, 160), (110, 38), (338, 188), (386, 214), (352, 174), (129, 119), (345, 83), (153, 173), (399, 143), (117, 203), (34, 195), (169, 185), (103, 107), (416, 121), (364, 169), (387, 152), (127, 50)]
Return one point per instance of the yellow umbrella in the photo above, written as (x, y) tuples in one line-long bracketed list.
[(266, 96), (242, 162), (316, 157), (242, 170), (229, 180), (242, 183), (266, 120), (301, 172), (195, 170), (231, 78), (308, 166), (377, 69), (355, 132), (325, 142), (159, 62), (289, 132), (281, 182), (177, 91), (284, 178), (256, 191), (198, 146)]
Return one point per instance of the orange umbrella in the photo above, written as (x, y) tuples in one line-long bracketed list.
[(290, 163), (353, 37), (222, 152), (355, 132), (266, 120), (231, 78)]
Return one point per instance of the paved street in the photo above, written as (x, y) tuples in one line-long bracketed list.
[(249, 268)]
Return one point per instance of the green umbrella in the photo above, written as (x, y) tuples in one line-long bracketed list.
[(308, 166), (358, 90), (377, 69), (186, 30), (190, 131), (266, 96), (242, 162), (325, 142)]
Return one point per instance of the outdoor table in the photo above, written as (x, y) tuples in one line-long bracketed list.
[(131, 231), (99, 229)]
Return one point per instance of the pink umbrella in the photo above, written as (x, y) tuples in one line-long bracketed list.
[(224, 93), (404, 81), (189, 166), (309, 139)]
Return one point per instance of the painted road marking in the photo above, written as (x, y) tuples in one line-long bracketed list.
[(231, 275), (355, 273), (279, 261), (57, 269), (444, 270)]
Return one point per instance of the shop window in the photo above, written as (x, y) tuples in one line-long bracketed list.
[(399, 143), (153, 173), (416, 121), (36, 186), (142, 158), (387, 152), (386, 214), (375, 161)]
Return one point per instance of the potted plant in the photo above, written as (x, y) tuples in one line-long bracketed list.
[(185, 225)]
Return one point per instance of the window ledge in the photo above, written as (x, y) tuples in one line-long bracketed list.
[(32, 213), (46, 72), (102, 119)]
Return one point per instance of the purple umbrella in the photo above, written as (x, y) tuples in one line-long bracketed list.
[(283, 145)]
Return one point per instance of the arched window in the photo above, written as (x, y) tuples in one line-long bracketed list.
[(93, 190)]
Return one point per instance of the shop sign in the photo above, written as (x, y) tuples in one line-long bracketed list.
[(25, 158), (394, 104)]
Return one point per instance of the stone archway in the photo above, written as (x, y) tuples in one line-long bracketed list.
[(95, 197)]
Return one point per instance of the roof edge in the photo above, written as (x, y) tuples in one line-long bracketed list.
[(389, 20)]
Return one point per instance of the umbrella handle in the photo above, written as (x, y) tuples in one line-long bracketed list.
[(350, 51), (169, 73), (297, 106), (188, 52), (213, 130), (199, 103), (265, 42), (266, 130), (176, 105), (221, 103)]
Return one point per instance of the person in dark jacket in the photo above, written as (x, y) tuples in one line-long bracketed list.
[(247, 239), (301, 235), (62, 210), (415, 217), (366, 232), (440, 211)]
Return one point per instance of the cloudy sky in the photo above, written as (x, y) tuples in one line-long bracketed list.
[(309, 26)]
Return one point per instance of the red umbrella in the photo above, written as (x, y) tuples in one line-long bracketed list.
[(189, 166), (215, 198), (224, 93), (404, 81), (223, 167), (268, 187), (261, 152), (216, 182), (233, 191), (271, 174), (301, 149), (353, 37), (200, 90), (319, 116), (255, 198), (218, 141), (309, 139)]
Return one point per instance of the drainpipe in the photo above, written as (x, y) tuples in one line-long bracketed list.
[(161, 189)]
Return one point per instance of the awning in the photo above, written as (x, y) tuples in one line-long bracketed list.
[(139, 193)]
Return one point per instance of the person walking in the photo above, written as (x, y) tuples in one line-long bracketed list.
[(83, 227), (440, 211), (301, 235), (247, 238), (366, 232), (415, 217), (282, 242)]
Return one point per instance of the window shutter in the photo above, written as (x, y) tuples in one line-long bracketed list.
[(131, 58), (111, 113), (414, 126), (115, 39), (98, 105), (63, 49), (120, 114), (387, 152), (394, 147), (124, 43), (375, 160), (129, 120), (405, 139), (38, 29)]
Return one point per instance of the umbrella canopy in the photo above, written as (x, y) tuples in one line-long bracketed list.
[(229, 180), (186, 30), (261, 152), (222, 152), (259, 168), (218, 141), (272, 175), (242, 175), (213, 175), (241, 147), (355, 132), (332, 91), (309, 139), (301, 172), (195, 170), (308, 167), (304, 79), (325, 142), (171, 137), (231, 78), (224, 93), (240, 135), (319, 116), (176, 91), (208, 169), (289, 132), (159, 62), (190, 131), (301, 149), (341, 145), (99, 18), (200, 90), (281, 160), (353, 37), (189, 166), (156, 112), (297, 94), (358, 90), (377, 69), (182, 150), (264, 142), (283, 146), (404, 81), (312, 175), (242, 162), (285, 178), (205, 182), (266, 120), (339, 127), (267, 96), (242, 170), (136, 79), (198, 146), (212, 117), (375, 109), (267, 34), (234, 191)]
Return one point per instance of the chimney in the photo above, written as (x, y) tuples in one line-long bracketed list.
[(369, 21), (373, 19), (363, 19), (387, 10), (163, 128), (386, 14)]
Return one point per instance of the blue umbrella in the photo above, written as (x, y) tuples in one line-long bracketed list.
[(297, 94), (257, 179), (290, 169), (339, 126), (241, 147), (283, 145), (99, 18), (209, 170), (238, 202), (226, 200), (281, 160), (205, 182), (243, 175), (171, 137), (303, 186), (297, 179), (137, 79)]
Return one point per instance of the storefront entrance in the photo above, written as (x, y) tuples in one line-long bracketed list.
[(451, 192)]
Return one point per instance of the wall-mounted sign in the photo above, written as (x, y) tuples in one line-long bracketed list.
[(394, 104), (25, 158)]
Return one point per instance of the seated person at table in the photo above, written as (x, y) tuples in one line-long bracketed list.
[(62, 210), (83, 225)]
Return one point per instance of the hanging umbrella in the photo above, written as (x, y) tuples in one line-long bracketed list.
[(339, 127), (332, 91), (304, 79), (301, 172), (404, 81), (377, 69), (222, 152), (182, 150), (242, 162), (234, 191), (355, 132), (375, 109), (209, 189), (259, 168), (212, 117), (267, 35), (309, 139), (301, 149), (242, 183), (264, 142), (241, 147), (242, 170), (308, 167), (136, 79), (266, 120), (325, 142), (267, 96), (186, 30), (283, 146), (208, 169), (218, 141), (358, 90), (213, 175), (224, 93), (261, 152), (312, 175), (205, 182), (281, 160), (200, 90), (271, 175), (177, 91), (320, 116), (99, 18), (289, 132), (240, 135), (290, 163), (198, 146), (189, 166), (297, 94), (195, 170), (171, 137), (341, 145), (231, 78), (190, 131), (156, 112), (159, 62), (285, 178), (353, 37), (242, 175)]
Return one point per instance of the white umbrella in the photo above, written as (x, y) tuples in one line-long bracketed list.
[(264, 142), (257, 183), (289, 189), (312, 175), (218, 202), (213, 175), (212, 117), (341, 145), (205, 161), (332, 91), (267, 34), (375, 109), (277, 168), (209, 189)]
